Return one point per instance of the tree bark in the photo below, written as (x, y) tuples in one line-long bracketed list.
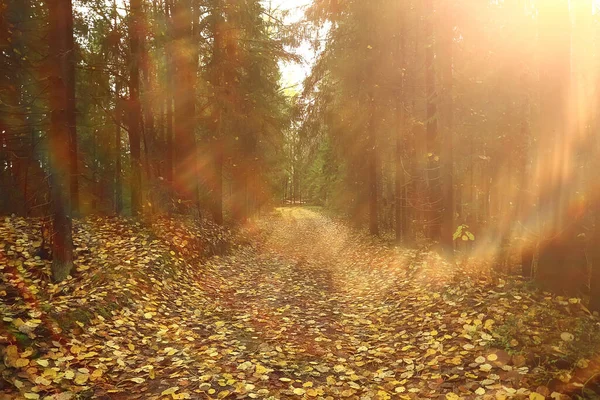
[(433, 148), (401, 226), (118, 180), (447, 112), (595, 278), (218, 147), (554, 37), (69, 66), (186, 178), (135, 111), (60, 17)]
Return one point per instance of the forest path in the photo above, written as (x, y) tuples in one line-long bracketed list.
[(329, 312), (305, 308)]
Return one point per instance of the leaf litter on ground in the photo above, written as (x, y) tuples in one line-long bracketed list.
[(301, 306)]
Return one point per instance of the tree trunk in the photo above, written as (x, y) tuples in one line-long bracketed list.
[(60, 18), (595, 278), (169, 103), (400, 196), (554, 37), (218, 137), (186, 178), (447, 174), (433, 148), (372, 171), (69, 66), (135, 112)]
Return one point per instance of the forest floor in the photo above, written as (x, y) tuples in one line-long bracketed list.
[(301, 306)]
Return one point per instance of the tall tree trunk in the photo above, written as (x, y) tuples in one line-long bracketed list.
[(595, 278), (118, 178), (60, 18), (152, 165), (69, 67), (186, 177), (554, 34), (433, 148), (372, 164), (169, 101), (446, 43), (218, 145), (135, 111), (401, 226)]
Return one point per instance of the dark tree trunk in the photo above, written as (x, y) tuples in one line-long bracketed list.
[(217, 211), (372, 173), (401, 226), (118, 180), (527, 255), (218, 138), (69, 67), (169, 104), (595, 278), (554, 41), (135, 111), (433, 148), (60, 18), (149, 125), (447, 174), (186, 180)]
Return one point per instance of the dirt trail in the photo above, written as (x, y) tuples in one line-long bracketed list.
[(308, 308), (333, 313)]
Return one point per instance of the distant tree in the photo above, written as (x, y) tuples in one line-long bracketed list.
[(432, 139), (185, 62), (134, 109), (446, 43)]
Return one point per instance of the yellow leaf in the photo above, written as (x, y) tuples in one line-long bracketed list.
[(81, 379), (39, 380), (169, 391), (138, 380), (312, 392), (536, 396), (219, 324), (21, 362), (223, 394), (96, 375), (32, 396), (339, 368), (260, 370), (485, 367), (383, 395), (299, 391), (567, 337)]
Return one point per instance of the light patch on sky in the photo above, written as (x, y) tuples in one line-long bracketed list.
[(294, 73)]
